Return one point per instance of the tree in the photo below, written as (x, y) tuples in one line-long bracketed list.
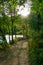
[(36, 33), (9, 9), (36, 15), (13, 6)]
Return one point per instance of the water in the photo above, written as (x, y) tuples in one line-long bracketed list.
[(7, 37)]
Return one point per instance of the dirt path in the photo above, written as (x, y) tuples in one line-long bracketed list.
[(16, 55)]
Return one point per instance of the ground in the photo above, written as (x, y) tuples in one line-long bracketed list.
[(16, 55)]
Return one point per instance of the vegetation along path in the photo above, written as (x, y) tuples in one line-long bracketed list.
[(16, 55)]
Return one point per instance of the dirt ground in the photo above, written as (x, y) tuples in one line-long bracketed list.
[(15, 55)]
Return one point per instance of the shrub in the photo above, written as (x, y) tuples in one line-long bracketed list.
[(35, 52)]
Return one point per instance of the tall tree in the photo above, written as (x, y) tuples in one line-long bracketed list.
[(36, 16), (13, 5)]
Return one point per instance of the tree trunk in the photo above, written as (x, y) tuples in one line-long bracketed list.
[(12, 28)]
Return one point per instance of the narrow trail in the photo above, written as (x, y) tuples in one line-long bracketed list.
[(16, 55)]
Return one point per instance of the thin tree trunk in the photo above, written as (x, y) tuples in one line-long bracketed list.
[(9, 34), (12, 28), (3, 21)]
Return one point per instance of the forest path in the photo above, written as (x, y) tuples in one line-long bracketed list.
[(16, 55)]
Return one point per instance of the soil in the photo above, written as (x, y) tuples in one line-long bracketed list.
[(15, 55)]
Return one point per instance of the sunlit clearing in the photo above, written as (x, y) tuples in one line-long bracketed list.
[(24, 11)]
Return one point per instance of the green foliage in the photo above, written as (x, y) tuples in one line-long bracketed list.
[(35, 52), (32, 52), (13, 24), (21, 2), (17, 39), (36, 33), (33, 22)]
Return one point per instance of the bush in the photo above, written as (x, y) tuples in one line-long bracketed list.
[(17, 39), (4, 45), (35, 52)]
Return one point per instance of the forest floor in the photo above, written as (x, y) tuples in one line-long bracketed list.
[(15, 55)]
